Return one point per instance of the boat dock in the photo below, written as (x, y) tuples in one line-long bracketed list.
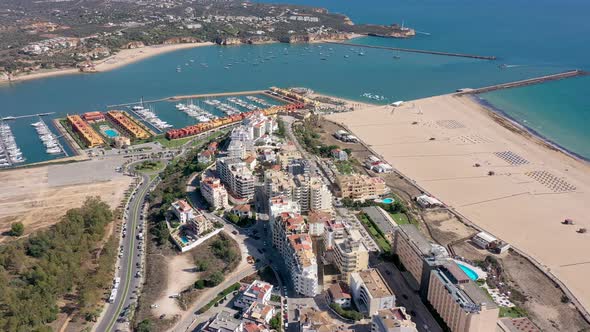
[(411, 50), (63, 150), (530, 81), (25, 116), (182, 97)]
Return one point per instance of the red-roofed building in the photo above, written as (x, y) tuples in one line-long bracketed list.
[(257, 291), (242, 210), (259, 313), (285, 224), (205, 157)]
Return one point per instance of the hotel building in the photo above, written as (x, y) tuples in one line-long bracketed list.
[(460, 302), (370, 292)]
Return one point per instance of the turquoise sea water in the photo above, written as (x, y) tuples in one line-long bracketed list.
[(539, 37)]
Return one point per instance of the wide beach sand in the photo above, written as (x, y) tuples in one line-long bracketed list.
[(437, 141), (122, 58)]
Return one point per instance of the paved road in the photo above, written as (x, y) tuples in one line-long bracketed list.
[(406, 297), (128, 263)]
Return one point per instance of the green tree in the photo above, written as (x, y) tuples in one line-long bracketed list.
[(17, 229), (215, 279), (275, 322), (234, 218), (200, 284), (144, 326)]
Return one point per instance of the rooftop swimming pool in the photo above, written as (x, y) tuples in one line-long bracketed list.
[(469, 272)]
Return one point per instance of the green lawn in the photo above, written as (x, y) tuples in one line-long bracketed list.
[(382, 242), (514, 312), (400, 218), (150, 166), (172, 144), (344, 167)]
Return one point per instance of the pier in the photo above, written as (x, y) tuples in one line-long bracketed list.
[(530, 81), (411, 50), (182, 97), (26, 116), (63, 150)]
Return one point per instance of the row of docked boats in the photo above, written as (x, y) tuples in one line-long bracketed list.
[(225, 108), (259, 101), (151, 117), (51, 142), (10, 153), (243, 103), (195, 111)]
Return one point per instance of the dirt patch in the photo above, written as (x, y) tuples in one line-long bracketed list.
[(27, 196), (445, 228), (171, 273), (182, 273), (543, 302)]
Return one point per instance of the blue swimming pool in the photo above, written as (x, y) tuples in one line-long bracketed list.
[(111, 133), (469, 272), (184, 239), (387, 200)]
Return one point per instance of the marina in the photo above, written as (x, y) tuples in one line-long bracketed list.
[(50, 141), (150, 117), (10, 153)]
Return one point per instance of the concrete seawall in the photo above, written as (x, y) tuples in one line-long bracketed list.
[(411, 50)]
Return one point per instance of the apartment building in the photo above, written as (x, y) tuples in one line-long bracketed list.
[(392, 320), (312, 194), (370, 292), (285, 224), (301, 261), (277, 183), (214, 192), (287, 154), (257, 292), (361, 187), (223, 321), (238, 179), (350, 255), (258, 313), (460, 302), (316, 221), (280, 204), (182, 210), (333, 230)]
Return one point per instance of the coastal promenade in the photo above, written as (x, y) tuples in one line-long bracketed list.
[(412, 50)]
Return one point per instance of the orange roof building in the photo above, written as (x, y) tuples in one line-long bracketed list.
[(122, 120), (90, 137)]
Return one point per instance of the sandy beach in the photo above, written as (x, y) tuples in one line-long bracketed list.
[(122, 58), (437, 143)]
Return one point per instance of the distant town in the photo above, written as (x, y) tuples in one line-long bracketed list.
[(60, 34)]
